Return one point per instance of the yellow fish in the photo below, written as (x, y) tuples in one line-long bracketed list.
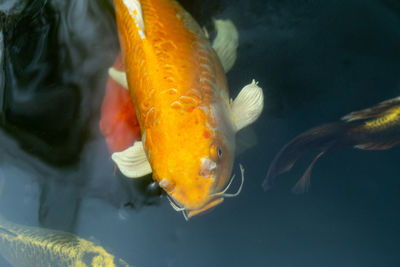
[(33, 247)]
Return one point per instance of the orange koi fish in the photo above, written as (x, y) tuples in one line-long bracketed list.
[(178, 87), (118, 121), (376, 128)]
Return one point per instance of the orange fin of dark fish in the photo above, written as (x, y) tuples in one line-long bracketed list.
[(303, 184), (379, 110), (118, 121), (321, 138)]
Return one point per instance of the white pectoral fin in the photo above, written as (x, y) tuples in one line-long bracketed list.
[(248, 105), (119, 77), (132, 162), (226, 42)]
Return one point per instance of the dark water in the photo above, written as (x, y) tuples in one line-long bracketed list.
[(316, 61)]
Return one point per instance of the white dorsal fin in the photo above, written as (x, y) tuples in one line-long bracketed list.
[(247, 106), (135, 10), (119, 77), (226, 42), (132, 162)]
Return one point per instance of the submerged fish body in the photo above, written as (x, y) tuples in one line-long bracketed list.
[(26, 246), (375, 128), (179, 90), (118, 121)]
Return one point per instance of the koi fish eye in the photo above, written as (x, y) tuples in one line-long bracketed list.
[(216, 152), (219, 152)]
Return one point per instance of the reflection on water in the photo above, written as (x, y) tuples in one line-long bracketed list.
[(53, 75), (316, 61)]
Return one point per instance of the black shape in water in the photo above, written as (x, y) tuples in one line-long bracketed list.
[(54, 57), (40, 107)]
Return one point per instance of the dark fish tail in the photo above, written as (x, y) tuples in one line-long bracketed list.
[(322, 139), (375, 128)]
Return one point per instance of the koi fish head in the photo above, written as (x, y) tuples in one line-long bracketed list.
[(201, 166)]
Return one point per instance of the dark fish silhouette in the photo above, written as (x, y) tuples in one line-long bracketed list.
[(375, 128)]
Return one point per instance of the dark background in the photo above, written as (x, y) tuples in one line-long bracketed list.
[(315, 60)]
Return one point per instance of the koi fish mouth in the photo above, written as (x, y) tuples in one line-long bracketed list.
[(213, 199)]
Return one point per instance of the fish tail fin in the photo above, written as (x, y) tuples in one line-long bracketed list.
[(374, 128), (303, 184), (321, 139)]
